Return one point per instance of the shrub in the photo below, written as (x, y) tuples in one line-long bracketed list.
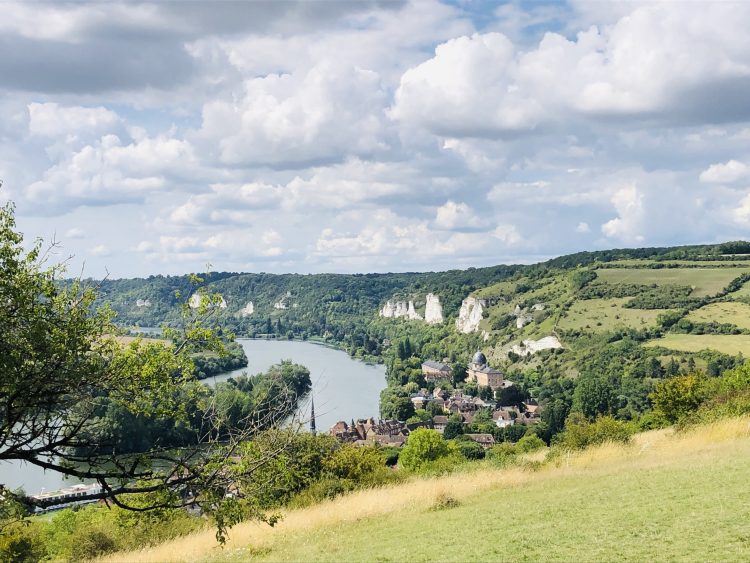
[(502, 454), (470, 449), (21, 543), (530, 443), (358, 464), (445, 501), (675, 397), (423, 447), (580, 433)]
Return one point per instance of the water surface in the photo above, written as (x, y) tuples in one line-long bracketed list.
[(343, 389)]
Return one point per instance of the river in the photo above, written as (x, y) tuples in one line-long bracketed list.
[(343, 389)]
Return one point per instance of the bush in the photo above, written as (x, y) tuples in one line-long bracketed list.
[(580, 433), (21, 543), (530, 443), (470, 449), (675, 397), (358, 464), (423, 446), (503, 454)]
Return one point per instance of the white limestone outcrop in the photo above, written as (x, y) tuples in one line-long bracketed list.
[(247, 310), (388, 311), (528, 347), (143, 303), (196, 299), (400, 309), (433, 311), (470, 315), (411, 313)]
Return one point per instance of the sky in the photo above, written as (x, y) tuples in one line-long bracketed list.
[(358, 136)]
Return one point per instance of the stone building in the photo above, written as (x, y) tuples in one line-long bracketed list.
[(436, 371), (480, 372)]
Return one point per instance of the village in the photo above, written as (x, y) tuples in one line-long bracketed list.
[(452, 412)]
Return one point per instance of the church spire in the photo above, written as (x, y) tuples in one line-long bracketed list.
[(312, 415)]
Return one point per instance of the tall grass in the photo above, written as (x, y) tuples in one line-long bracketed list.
[(385, 522)]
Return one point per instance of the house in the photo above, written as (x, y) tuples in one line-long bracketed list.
[(439, 422), (484, 440), (503, 418), (436, 371), (420, 399), (482, 374), (532, 414)]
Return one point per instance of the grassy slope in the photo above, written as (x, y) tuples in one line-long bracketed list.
[(731, 344), (705, 281), (599, 315), (726, 312), (673, 497)]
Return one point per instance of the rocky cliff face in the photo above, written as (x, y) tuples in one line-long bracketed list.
[(470, 315), (247, 310), (196, 300), (529, 347), (400, 309), (433, 311)]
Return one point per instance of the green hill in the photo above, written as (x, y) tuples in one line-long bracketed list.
[(667, 496), (621, 320)]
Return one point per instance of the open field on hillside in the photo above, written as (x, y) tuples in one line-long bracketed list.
[(599, 315), (727, 312), (691, 263), (704, 281), (744, 291), (666, 496), (726, 343), (127, 340)]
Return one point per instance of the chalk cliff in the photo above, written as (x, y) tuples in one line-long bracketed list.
[(469, 315), (401, 309), (529, 347), (247, 310), (433, 311)]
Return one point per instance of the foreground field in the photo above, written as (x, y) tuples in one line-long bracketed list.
[(731, 344), (666, 496), (704, 281)]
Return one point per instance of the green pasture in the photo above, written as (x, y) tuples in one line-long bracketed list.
[(732, 344), (601, 315), (704, 281), (729, 312)]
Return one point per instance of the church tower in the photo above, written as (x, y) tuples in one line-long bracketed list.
[(312, 415)]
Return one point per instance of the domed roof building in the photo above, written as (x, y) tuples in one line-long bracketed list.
[(480, 372), (479, 359)]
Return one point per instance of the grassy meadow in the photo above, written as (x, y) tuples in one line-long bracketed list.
[(600, 315), (672, 496), (704, 281), (731, 344), (734, 313)]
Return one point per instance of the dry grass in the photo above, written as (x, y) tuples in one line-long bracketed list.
[(308, 527), (731, 344)]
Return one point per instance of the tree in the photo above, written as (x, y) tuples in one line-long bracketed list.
[(593, 396), (422, 447), (395, 404), (454, 427), (678, 396), (59, 362)]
